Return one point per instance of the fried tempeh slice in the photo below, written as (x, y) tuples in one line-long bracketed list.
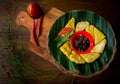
[(90, 57), (74, 57), (96, 33), (65, 49), (99, 36), (90, 29), (71, 23)]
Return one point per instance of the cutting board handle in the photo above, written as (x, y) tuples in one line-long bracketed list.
[(23, 19)]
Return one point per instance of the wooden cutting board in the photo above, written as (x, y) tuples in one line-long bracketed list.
[(23, 19)]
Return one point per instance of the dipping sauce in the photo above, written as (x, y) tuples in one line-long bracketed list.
[(81, 43)]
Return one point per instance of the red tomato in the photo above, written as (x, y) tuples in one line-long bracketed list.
[(34, 10), (64, 31)]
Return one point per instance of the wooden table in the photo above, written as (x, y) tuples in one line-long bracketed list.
[(109, 9)]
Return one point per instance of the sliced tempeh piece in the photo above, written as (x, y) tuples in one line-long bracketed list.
[(71, 23), (90, 29), (90, 57), (74, 57), (65, 49), (99, 36)]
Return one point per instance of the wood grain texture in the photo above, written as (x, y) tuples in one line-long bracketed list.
[(23, 19)]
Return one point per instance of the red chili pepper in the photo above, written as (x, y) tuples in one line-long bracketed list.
[(33, 38), (36, 31), (39, 26), (35, 12)]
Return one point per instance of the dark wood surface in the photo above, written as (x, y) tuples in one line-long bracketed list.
[(109, 9)]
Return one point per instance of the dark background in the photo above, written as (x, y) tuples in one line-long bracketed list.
[(109, 9)]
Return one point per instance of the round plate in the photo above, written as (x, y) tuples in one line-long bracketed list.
[(88, 69)]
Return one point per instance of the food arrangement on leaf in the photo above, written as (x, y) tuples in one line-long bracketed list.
[(86, 43), (82, 42)]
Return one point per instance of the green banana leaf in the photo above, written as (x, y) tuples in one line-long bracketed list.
[(95, 19)]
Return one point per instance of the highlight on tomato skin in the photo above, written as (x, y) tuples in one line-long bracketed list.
[(86, 35), (34, 10)]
